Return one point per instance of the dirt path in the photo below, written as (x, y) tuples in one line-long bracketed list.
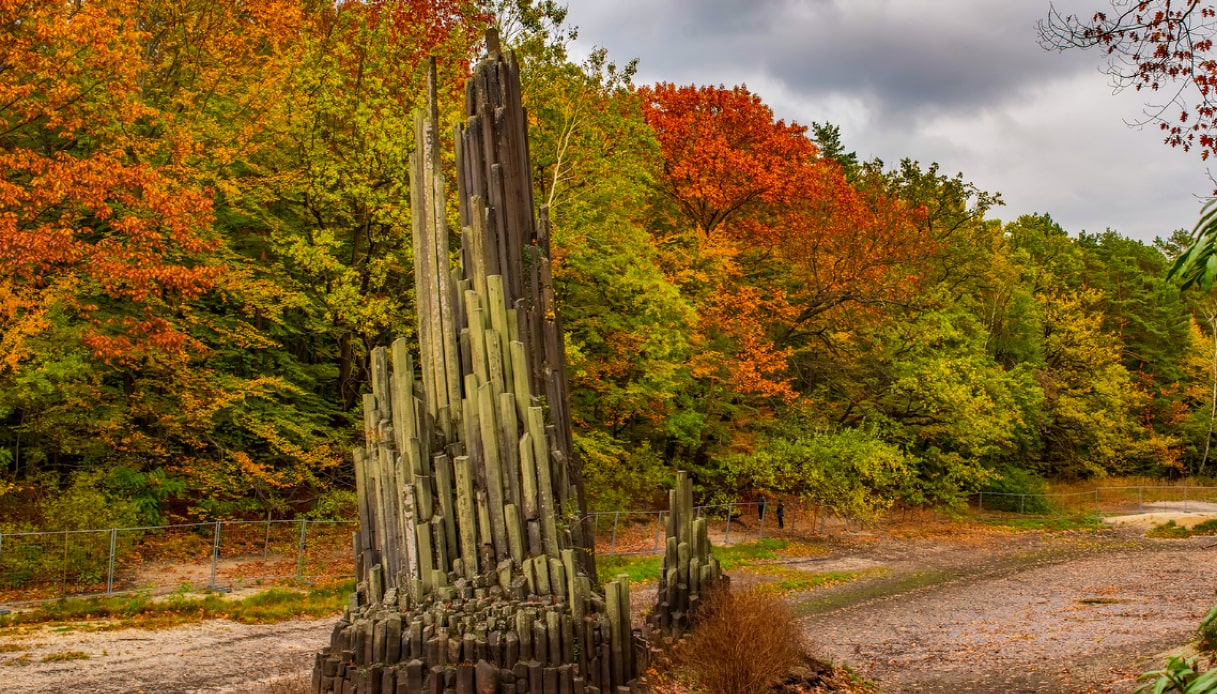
[(1022, 613), (213, 657), (952, 611)]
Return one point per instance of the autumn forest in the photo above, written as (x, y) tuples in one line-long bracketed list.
[(205, 228)]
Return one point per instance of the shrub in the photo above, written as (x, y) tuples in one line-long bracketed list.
[(69, 557), (1208, 631), (1016, 490), (85, 505), (621, 476), (335, 505), (1180, 675), (744, 641), (852, 471)]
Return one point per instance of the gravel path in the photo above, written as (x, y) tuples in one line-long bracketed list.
[(215, 656), (954, 612), (1019, 614)]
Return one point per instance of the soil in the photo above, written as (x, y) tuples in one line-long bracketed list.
[(936, 609)]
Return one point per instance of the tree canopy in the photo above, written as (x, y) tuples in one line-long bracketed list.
[(205, 227)]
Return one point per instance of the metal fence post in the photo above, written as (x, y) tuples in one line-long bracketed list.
[(1140, 500), (1096, 501), (658, 532), (760, 529), (300, 553), (616, 518), (110, 573), (1022, 504), (1185, 499), (727, 532), (980, 505), (266, 540), (215, 557)]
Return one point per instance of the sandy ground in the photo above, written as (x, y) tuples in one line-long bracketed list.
[(936, 611), (1186, 514)]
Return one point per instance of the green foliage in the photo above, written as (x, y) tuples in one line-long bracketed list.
[(641, 569), (86, 505), (61, 555), (1197, 263), (1180, 675), (940, 352), (1168, 530), (1017, 490), (851, 471), (335, 505), (1208, 630), (147, 491), (620, 477)]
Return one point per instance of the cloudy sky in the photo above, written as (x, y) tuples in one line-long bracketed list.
[(959, 82)]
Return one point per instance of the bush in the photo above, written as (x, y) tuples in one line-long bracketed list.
[(744, 641), (1016, 490), (85, 505), (620, 476), (1208, 631), (852, 471), (335, 505), (56, 551), (1181, 675)]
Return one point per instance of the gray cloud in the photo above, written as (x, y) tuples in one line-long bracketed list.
[(902, 57), (960, 82)]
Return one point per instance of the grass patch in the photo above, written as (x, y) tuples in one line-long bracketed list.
[(16, 647), (894, 586), (142, 610), (65, 656), (640, 569), (1170, 530), (789, 579), (644, 568), (1078, 521), (768, 549)]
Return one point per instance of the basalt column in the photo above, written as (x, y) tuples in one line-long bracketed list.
[(475, 568), (690, 571)]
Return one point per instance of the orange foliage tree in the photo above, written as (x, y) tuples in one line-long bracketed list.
[(144, 318), (779, 237)]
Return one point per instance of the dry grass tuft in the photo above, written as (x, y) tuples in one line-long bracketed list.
[(744, 641), (295, 683)]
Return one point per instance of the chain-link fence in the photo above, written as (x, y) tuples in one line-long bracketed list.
[(642, 532), (222, 555), (226, 555), (1116, 500)]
